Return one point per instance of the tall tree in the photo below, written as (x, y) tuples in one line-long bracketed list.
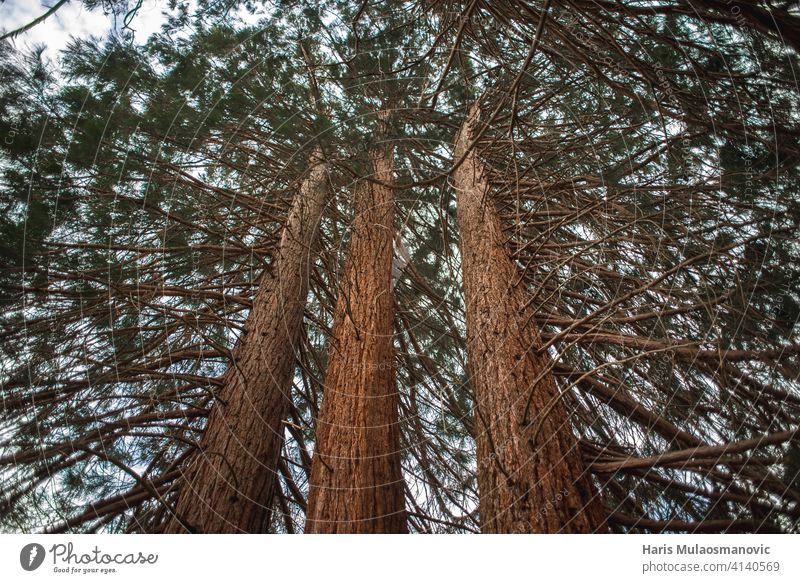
[(642, 165), (356, 483), (229, 485), (530, 473)]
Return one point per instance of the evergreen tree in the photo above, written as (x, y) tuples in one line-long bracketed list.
[(425, 267)]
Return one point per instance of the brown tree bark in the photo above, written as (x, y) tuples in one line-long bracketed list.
[(229, 486), (531, 477), (356, 481)]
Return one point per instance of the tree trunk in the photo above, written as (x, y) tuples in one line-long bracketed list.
[(356, 481), (531, 479), (229, 486)]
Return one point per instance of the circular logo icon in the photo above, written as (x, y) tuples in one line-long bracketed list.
[(31, 556)]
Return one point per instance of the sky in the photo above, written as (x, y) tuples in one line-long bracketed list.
[(72, 19)]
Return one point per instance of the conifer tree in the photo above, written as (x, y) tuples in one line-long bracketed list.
[(627, 362)]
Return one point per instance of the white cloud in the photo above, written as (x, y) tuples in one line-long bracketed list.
[(72, 20)]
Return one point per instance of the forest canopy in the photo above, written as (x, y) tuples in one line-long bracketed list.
[(430, 266)]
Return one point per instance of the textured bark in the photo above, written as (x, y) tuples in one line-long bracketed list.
[(230, 484), (356, 481), (531, 477)]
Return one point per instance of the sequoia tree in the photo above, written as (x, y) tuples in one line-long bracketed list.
[(228, 486), (356, 484), (530, 472), (576, 311)]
